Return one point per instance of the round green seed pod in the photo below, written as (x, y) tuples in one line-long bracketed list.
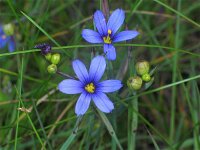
[(8, 29), (55, 58), (134, 83), (142, 67), (146, 77), (48, 56), (52, 69)]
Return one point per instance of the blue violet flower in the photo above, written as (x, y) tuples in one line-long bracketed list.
[(6, 39), (107, 32), (90, 87)]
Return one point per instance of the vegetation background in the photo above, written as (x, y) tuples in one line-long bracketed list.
[(168, 112)]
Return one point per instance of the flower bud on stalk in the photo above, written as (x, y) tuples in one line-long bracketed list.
[(55, 59), (142, 67), (134, 83), (48, 56), (146, 77), (52, 69), (8, 29)]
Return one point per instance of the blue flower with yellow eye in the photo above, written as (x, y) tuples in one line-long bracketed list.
[(6, 39), (107, 32), (90, 87)]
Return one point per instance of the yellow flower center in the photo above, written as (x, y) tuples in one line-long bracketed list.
[(90, 88), (107, 38)]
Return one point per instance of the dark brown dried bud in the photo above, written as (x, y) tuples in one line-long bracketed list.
[(45, 48)]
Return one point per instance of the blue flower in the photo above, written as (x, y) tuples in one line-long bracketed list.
[(107, 32), (90, 87), (4, 39)]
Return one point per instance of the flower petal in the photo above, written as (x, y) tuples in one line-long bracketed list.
[(125, 35), (11, 45), (100, 23), (103, 102), (109, 50), (92, 36), (80, 70), (3, 40), (116, 20), (82, 104), (109, 86), (1, 30), (97, 68), (70, 86)]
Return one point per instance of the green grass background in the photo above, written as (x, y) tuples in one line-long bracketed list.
[(168, 112)]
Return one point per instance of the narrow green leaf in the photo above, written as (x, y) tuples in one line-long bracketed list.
[(178, 13), (109, 127), (71, 138)]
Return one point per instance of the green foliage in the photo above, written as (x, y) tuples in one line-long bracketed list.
[(34, 115)]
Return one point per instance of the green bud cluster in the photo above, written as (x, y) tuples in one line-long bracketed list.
[(142, 70), (54, 59)]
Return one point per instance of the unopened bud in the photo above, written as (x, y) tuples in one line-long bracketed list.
[(134, 83), (146, 77), (55, 59), (8, 29), (48, 56), (142, 67), (52, 69)]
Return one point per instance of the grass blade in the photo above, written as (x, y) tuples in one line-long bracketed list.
[(109, 127)]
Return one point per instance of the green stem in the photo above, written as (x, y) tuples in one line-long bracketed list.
[(174, 79), (109, 128), (132, 123), (71, 138)]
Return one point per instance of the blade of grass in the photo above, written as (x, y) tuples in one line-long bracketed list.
[(147, 123), (174, 78), (153, 140), (71, 138), (178, 13), (24, 76), (30, 121), (97, 45), (163, 87), (42, 127), (20, 79), (109, 127), (43, 31), (132, 123)]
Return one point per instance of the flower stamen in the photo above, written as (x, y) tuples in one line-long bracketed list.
[(107, 38), (90, 88), (109, 32)]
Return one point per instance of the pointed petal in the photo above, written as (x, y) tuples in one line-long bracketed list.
[(103, 102), (80, 70), (109, 86), (70, 86), (3, 40), (100, 23), (82, 104), (11, 45), (125, 35), (97, 68), (92, 36), (116, 20), (109, 50)]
